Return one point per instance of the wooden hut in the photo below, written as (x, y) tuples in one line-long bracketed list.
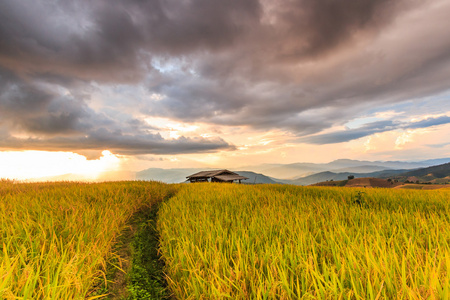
[(216, 176)]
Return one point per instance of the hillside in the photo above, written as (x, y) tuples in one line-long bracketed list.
[(296, 170), (434, 174), (328, 176), (256, 177), (436, 177), (366, 182), (370, 182), (320, 177)]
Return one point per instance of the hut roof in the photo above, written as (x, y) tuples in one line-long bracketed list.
[(210, 173), (224, 175)]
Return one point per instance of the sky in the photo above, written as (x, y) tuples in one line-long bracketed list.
[(124, 85)]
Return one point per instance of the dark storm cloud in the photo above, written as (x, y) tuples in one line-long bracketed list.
[(311, 55), (118, 143), (372, 128), (30, 108), (106, 40), (66, 123), (299, 65), (312, 28), (90, 39)]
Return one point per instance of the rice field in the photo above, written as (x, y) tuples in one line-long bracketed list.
[(224, 241), (56, 238)]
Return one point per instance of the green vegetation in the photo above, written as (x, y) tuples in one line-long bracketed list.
[(57, 238), (222, 241), (286, 242), (146, 277), (341, 183)]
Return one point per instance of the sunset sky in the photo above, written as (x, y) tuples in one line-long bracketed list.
[(108, 85)]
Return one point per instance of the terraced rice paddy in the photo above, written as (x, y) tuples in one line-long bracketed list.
[(56, 238), (222, 241), (285, 242)]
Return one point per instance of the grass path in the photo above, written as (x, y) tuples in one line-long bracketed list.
[(137, 272), (56, 238)]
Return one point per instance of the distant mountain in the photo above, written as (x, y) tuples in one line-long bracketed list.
[(348, 163), (291, 171), (255, 177), (298, 173), (319, 177), (166, 175), (436, 162), (362, 169), (381, 174), (328, 176), (434, 174), (439, 174), (296, 170)]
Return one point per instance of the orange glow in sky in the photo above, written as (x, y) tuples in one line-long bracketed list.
[(35, 164), (265, 84)]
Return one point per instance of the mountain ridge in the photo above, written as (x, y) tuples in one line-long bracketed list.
[(296, 170), (344, 168)]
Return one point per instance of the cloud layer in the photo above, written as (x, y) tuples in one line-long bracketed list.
[(302, 66), (372, 128)]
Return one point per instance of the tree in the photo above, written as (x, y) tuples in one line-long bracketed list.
[(350, 177)]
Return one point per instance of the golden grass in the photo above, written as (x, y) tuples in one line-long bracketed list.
[(230, 241), (56, 238), (283, 242)]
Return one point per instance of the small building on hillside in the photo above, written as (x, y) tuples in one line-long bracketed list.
[(216, 176)]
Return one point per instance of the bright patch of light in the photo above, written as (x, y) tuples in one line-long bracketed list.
[(404, 138), (174, 135), (367, 144), (388, 114), (379, 116), (171, 129), (358, 122), (36, 164), (428, 116), (157, 97), (165, 123), (265, 142), (245, 147)]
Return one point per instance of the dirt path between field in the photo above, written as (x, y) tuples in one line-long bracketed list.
[(137, 271)]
